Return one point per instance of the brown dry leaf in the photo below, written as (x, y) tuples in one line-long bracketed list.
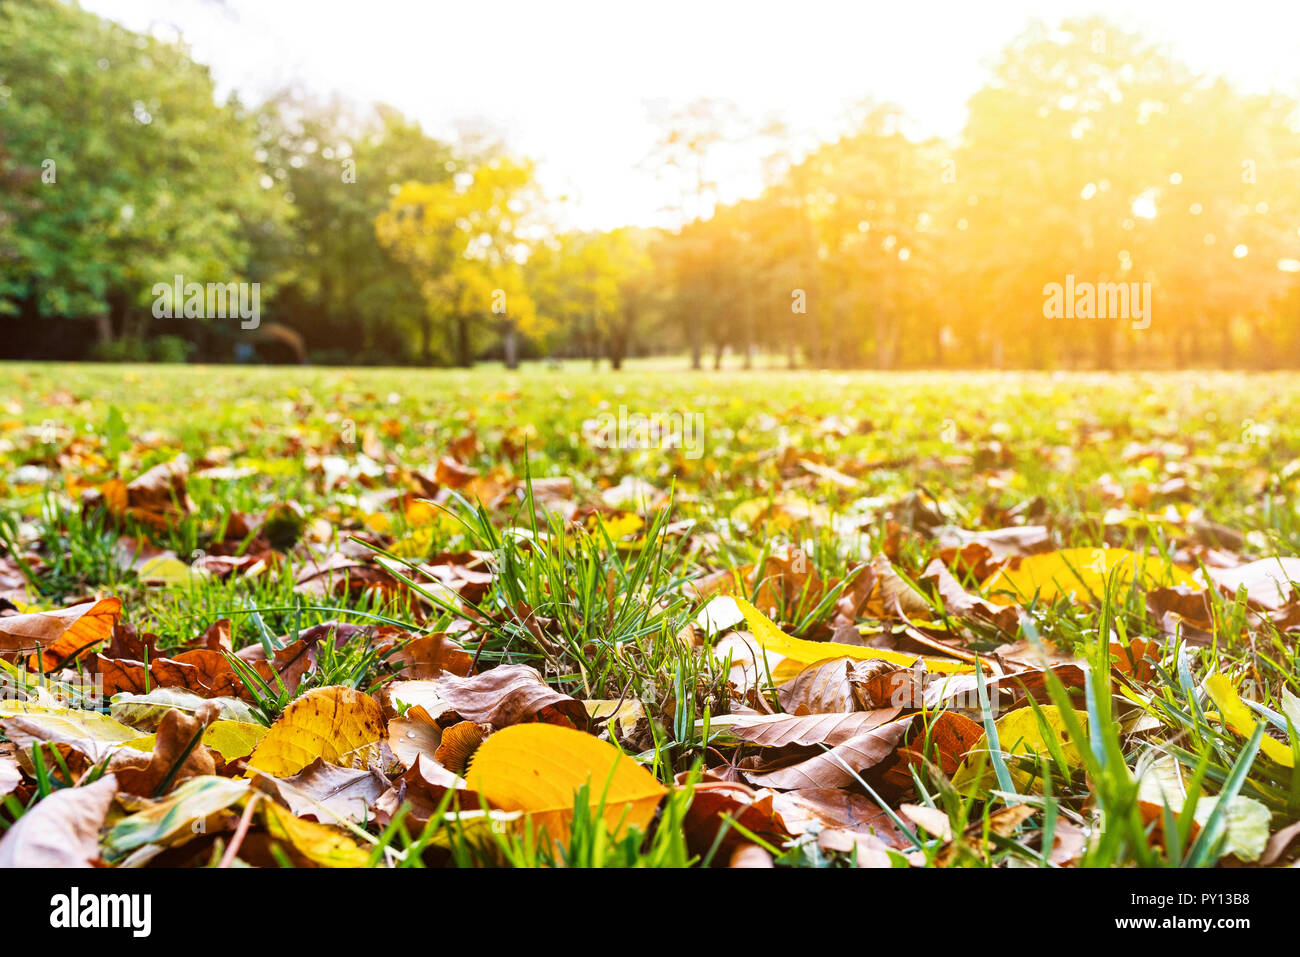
[(453, 474), (750, 855), (62, 829), (838, 767), (177, 732), (126, 642), (820, 688), (961, 604), (714, 800), (807, 808), (325, 792), (509, 694), (459, 742), (949, 736), (205, 672), (428, 656), (1183, 612), (1001, 822), (1267, 581), (777, 731), (892, 596), (63, 633), (423, 787), (881, 684), (157, 498)]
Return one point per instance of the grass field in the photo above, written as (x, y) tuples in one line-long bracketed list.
[(1090, 714)]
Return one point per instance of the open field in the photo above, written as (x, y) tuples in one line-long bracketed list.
[(952, 548)]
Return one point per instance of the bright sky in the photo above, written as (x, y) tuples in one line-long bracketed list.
[(568, 83)]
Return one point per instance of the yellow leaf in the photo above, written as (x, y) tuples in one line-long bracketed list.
[(319, 843), (799, 653), (619, 526), (538, 768), (338, 724), (93, 734), (1237, 716), (166, 570), (1019, 732), (230, 739), (1081, 574)]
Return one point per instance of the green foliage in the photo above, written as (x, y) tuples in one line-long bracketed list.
[(152, 180)]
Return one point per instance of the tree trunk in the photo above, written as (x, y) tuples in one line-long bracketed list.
[(511, 345), (463, 356), (426, 339)]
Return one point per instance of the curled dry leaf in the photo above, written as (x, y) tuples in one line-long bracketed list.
[(422, 788), (61, 634), (206, 673), (146, 712), (414, 735), (778, 731), (459, 742), (713, 800), (326, 792), (819, 689), (183, 814), (838, 767), (178, 753), (507, 695), (879, 684), (62, 829), (960, 604)]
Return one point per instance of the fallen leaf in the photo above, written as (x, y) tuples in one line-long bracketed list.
[(838, 767), (1081, 574), (318, 843), (62, 829), (338, 724), (326, 792), (538, 769), (61, 634), (507, 695)]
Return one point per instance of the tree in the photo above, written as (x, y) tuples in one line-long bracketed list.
[(340, 165), (153, 179), (463, 240)]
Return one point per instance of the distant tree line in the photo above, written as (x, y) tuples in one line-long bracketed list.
[(1090, 161)]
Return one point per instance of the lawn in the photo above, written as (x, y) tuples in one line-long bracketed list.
[(803, 619)]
